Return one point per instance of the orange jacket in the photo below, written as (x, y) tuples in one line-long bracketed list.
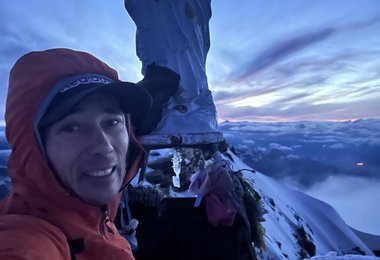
[(39, 219)]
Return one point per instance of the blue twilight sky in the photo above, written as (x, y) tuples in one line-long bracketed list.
[(269, 60)]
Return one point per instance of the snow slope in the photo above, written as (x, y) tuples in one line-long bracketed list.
[(334, 256), (295, 222), (297, 226), (372, 241)]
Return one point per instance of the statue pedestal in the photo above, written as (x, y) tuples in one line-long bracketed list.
[(175, 34), (159, 141)]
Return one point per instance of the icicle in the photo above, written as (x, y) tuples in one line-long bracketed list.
[(176, 160)]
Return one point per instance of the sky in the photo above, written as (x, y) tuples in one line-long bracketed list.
[(269, 60)]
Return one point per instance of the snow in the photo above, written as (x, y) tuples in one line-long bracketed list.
[(372, 241), (289, 210), (295, 222), (334, 256)]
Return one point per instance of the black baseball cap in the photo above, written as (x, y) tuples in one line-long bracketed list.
[(132, 98)]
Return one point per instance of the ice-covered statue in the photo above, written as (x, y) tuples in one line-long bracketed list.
[(175, 34)]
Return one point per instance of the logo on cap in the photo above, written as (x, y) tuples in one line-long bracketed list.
[(85, 80)]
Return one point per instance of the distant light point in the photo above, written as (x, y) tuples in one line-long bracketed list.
[(360, 164)]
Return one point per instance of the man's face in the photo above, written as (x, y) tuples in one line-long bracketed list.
[(88, 148)]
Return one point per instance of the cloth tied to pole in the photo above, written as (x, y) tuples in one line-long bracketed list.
[(214, 183)]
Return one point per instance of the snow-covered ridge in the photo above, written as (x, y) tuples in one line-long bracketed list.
[(299, 226)]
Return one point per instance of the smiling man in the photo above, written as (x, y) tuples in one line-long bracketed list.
[(70, 122), (88, 148)]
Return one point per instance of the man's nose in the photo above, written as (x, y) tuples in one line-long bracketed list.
[(100, 143)]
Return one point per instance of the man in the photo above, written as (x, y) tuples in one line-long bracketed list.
[(68, 121)]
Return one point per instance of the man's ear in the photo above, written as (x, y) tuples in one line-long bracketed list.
[(136, 158)]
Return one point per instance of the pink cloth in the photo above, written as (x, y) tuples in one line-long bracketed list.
[(215, 184)]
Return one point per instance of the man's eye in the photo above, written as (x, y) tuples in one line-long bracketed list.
[(115, 122)]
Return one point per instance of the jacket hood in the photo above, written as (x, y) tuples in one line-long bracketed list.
[(35, 190)]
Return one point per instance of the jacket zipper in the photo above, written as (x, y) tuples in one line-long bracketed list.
[(105, 218)]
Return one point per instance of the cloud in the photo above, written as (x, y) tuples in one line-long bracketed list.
[(249, 142), (274, 113), (276, 146), (355, 198), (325, 72), (292, 157), (281, 50), (308, 152), (3, 143), (337, 146), (303, 171), (302, 110), (321, 91), (363, 23)]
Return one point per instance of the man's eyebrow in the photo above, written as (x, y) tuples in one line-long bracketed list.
[(113, 110), (75, 110)]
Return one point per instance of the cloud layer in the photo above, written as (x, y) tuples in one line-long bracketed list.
[(333, 161), (355, 198)]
